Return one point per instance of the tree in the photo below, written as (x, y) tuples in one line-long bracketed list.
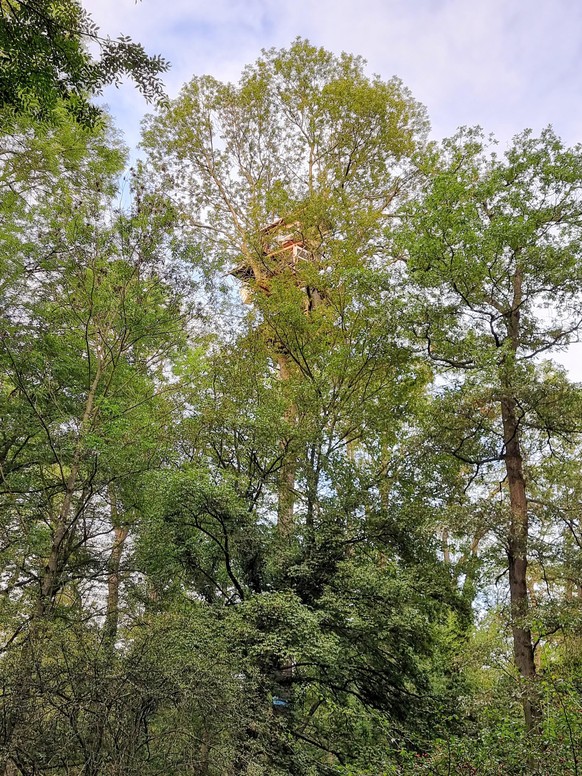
[(90, 323), (492, 252), (305, 137), (340, 618), (289, 180), (45, 61)]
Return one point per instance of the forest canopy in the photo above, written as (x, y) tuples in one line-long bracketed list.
[(289, 478)]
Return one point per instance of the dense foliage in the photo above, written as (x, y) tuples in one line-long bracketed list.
[(335, 530), (45, 61)]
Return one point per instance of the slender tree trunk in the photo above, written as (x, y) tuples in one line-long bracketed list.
[(113, 575), (517, 561), (446, 546), (312, 476), (64, 524), (49, 585), (569, 553), (523, 650), (288, 471), (204, 765), (96, 738)]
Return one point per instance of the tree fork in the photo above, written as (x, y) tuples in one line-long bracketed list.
[(65, 524)]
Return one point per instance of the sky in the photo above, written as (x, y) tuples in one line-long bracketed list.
[(502, 64)]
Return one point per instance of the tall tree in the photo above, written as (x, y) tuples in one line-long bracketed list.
[(90, 320), (289, 180), (492, 251), (304, 136)]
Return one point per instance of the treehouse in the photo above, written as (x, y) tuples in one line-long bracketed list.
[(281, 247)]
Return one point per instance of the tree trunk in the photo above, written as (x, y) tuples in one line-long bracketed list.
[(286, 495), (49, 586), (64, 523), (446, 548), (113, 574), (517, 563), (523, 650)]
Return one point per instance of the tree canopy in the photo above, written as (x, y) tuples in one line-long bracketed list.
[(332, 527)]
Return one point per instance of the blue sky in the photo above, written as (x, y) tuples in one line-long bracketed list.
[(503, 64)]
